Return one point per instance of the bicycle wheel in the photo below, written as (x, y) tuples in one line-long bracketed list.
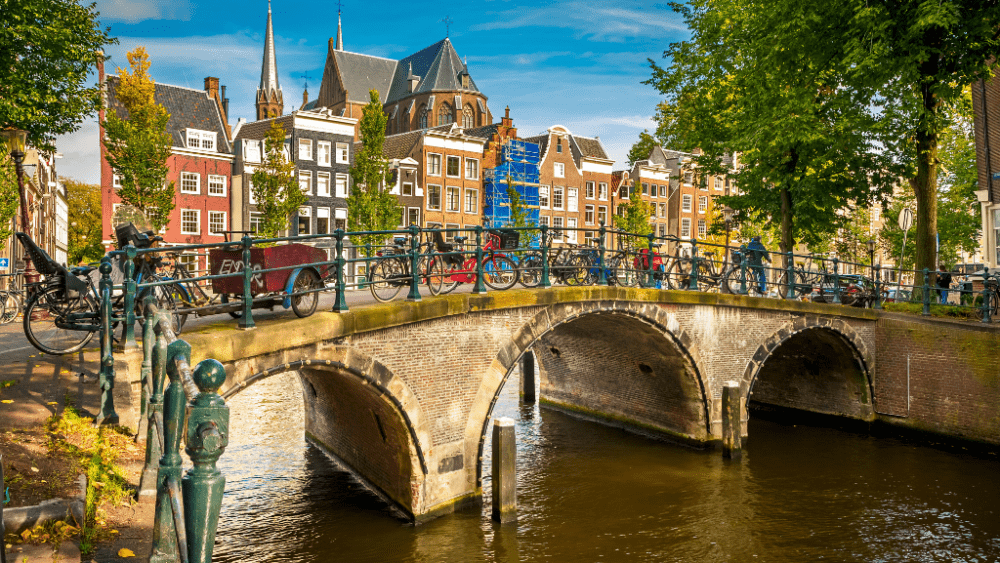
[(305, 304), (530, 270), (580, 269), (384, 279), (499, 272), (164, 302), (11, 305), (679, 274), (798, 286), (182, 300), (51, 308), (234, 314)]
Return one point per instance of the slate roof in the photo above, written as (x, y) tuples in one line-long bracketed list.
[(361, 73), (541, 140), (659, 155), (589, 147), (188, 108), (399, 146), (258, 129), (484, 132)]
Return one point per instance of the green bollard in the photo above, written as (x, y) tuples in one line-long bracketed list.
[(107, 414), (207, 438), (414, 264), (545, 257), (790, 277), (479, 287), (131, 289), (602, 276), (246, 320), (693, 278), (340, 304), (927, 293), (878, 288)]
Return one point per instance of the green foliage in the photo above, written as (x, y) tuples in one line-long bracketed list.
[(84, 201), (138, 146), (519, 215), (851, 242), (49, 50), (371, 207), (9, 200), (641, 149), (273, 185), (633, 217)]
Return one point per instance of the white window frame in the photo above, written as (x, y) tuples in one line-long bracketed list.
[(116, 181), (197, 221), (430, 190), (259, 220), (561, 199), (688, 177), (305, 149), (308, 175), (718, 183), (221, 179), (602, 214), (571, 229), (304, 211), (410, 211), (474, 165), (323, 150), (320, 211), (686, 203), (201, 137), (458, 199), (559, 170), (213, 215), (591, 192), (557, 223), (197, 182), (588, 215), (573, 200), (433, 164), (346, 185), (685, 228), (343, 153), (663, 190), (320, 177), (252, 151), (702, 203), (474, 200), (602, 191), (447, 164), (403, 189), (543, 197), (543, 220), (702, 228)]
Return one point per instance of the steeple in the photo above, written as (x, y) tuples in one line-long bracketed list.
[(270, 102), (340, 35)]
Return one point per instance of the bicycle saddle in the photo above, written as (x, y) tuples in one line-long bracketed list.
[(460, 240), (82, 270), (709, 254)]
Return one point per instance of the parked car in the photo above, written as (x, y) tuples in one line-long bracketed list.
[(855, 290), (898, 296)]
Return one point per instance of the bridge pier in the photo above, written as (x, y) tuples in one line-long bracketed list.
[(528, 378), (732, 421)]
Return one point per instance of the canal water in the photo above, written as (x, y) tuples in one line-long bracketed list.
[(590, 493)]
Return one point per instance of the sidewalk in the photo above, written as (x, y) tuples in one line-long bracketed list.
[(36, 387)]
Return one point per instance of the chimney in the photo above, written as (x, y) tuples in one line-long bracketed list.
[(506, 118), (225, 102), (212, 88)]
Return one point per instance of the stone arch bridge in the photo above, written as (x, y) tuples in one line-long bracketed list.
[(403, 392)]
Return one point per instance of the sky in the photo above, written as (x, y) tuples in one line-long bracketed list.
[(576, 63)]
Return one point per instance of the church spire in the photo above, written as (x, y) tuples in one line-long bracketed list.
[(269, 97), (340, 35)]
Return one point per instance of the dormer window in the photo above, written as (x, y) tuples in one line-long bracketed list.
[(558, 145), (201, 140), (465, 81)]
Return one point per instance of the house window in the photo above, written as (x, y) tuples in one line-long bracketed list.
[(685, 228), (662, 230), (216, 185), (451, 201), (686, 203), (558, 145), (251, 150), (216, 222), (543, 220), (626, 191), (305, 220), (645, 188), (434, 198), (557, 197), (718, 183), (702, 203), (342, 154), (663, 190), (688, 177), (190, 183), (590, 190), (571, 229), (602, 214), (305, 149), (602, 191), (203, 140), (543, 197), (557, 223), (702, 228), (323, 184), (414, 216), (454, 165), (256, 221), (471, 201), (322, 220), (588, 215), (560, 170), (190, 221), (434, 164), (341, 185), (445, 114), (323, 153), (468, 120), (116, 181), (571, 199), (407, 188), (305, 181), (451, 232), (471, 169)]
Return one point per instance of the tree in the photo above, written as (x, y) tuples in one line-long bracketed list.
[(137, 144), (641, 149), (519, 218), (84, 202), (371, 207), (50, 47), (273, 185), (9, 200), (633, 217), (764, 83)]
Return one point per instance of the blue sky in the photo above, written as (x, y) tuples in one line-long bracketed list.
[(576, 63)]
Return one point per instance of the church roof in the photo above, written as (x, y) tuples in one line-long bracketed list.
[(361, 73), (269, 67)]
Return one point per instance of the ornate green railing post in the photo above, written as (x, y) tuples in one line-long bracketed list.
[(131, 288), (107, 414), (246, 320), (743, 271), (927, 293), (341, 302), (836, 281), (987, 294), (878, 287), (146, 372), (545, 257), (602, 276), (693, 278), (155, 434), (415, 264), (207, 438), (480, 287), (790, 276), (650, 275)]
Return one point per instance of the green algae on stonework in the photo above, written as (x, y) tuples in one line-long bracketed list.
[(625, 421)]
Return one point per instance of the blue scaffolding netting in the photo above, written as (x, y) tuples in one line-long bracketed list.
[(517, 169)]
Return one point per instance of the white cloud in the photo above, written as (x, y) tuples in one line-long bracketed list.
[(81, 154), (594, 20), (135, 11)]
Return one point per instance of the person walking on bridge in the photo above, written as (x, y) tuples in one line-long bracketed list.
[(756, 254)]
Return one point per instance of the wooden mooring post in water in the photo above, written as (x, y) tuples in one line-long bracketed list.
[(528, 378), (504, 471), (732, 427)]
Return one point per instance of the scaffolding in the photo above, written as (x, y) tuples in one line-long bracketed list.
[(517, 169)]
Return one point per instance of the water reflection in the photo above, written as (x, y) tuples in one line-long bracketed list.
[(587, 492)]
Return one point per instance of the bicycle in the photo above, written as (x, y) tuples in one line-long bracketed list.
[(565, 265), (393, 270), (447, 268), (11, 299), (709, 275)]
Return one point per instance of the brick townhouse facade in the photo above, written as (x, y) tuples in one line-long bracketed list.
[(986, 117), (200, 165)]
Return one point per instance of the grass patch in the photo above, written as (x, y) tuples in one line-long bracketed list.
[(943, 311)]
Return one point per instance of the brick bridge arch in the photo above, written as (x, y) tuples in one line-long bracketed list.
[(650, 316)]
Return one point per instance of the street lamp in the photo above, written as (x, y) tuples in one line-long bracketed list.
[(16, 139), (727, 216)]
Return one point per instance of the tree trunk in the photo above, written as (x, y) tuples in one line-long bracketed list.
[(925, 183), (787, 239)]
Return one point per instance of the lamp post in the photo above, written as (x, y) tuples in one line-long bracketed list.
[(871, 255), (727, 216), (16, 139)]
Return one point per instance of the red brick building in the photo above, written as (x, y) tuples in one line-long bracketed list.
[(200, 164), (986, 110)]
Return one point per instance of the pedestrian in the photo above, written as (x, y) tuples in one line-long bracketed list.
[(756, 254), (943, 283)]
